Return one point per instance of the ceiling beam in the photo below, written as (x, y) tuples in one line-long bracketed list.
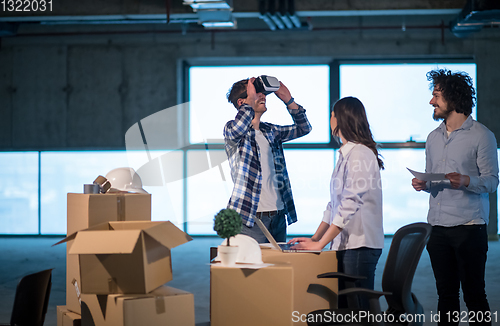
[(133, 9)]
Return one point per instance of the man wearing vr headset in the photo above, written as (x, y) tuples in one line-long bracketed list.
[(255, 153)]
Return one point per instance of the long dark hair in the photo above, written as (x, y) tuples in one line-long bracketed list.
[(353, 124)]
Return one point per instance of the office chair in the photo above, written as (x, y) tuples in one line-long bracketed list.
[(404, 254), (31, 300)]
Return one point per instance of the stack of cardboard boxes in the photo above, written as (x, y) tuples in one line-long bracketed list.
[(282, 294), (118, 261)]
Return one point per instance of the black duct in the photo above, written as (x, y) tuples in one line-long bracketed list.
[(475, 15), (279, 15), (8, 29)]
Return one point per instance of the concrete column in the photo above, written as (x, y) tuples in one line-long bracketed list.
[(487, 53)]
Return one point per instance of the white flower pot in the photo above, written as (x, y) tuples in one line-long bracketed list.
[(227, 254)]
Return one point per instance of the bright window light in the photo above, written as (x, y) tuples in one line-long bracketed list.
[(310, 186), (209, 109), (402, 205), (64, 172), (396, 97), (208, 190), (19, 193)]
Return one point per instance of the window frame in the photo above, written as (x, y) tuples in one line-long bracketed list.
[(183, 93)]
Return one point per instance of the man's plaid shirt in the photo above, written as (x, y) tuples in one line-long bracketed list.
[(244, 158)]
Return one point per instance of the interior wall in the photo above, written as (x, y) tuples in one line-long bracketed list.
[(75, 88), (83, 90)]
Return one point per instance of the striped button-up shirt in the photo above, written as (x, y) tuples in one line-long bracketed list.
[(244, 159)]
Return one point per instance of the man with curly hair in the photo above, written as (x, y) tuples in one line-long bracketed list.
[(466, 151)]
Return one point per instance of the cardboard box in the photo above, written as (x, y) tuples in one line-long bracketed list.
[(72, 281), (165, 306), (67, 318), (125, 257), (249, 297), (87, 210), (310, 293)]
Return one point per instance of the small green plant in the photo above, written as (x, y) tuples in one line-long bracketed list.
[(227, 223)]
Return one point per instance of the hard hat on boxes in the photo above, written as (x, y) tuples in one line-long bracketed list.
[(125, 179)]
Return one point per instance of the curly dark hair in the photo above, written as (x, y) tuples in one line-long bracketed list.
[(237, 91), (353, 124), (456, 88)]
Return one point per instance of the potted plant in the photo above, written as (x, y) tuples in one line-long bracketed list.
[(227, 224)]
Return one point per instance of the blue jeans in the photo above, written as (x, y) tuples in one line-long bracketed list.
[(458, 256), (361, 262), (276, 226)]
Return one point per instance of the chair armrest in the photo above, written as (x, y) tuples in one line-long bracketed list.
[(365, 292), (343, 276), (372, 295)]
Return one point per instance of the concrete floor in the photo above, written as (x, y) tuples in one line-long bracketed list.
[(23, 255)]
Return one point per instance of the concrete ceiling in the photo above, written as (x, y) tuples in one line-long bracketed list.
[(143, 10), (250, 15)]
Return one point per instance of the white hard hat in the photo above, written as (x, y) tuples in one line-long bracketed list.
[(248, 249), (125, 179)]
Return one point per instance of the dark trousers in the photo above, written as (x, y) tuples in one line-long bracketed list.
[(458, 256), (360, 262)]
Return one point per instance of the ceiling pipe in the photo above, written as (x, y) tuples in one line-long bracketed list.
[(263, 15), (293, 17), (343, 28), (271, 12), (283, 14), (474, 16), (168, 5)]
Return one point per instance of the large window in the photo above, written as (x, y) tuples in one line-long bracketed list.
[(396, 96), (309, 172), (401, 203), (210, 110), (19, 202), (195, 180), (33, 180), (208, 192), (20, 174)]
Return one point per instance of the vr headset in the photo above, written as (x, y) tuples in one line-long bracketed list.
[(266, 84)]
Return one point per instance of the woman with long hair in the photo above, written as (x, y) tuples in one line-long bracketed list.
[(352, 221)]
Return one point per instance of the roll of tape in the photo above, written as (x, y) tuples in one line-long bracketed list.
[(105, 187), (103, 183), (91, 189)]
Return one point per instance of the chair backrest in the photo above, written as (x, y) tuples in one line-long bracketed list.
[(404, 254), (32, 299)]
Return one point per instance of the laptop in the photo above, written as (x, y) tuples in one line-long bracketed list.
[(283, 247)]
